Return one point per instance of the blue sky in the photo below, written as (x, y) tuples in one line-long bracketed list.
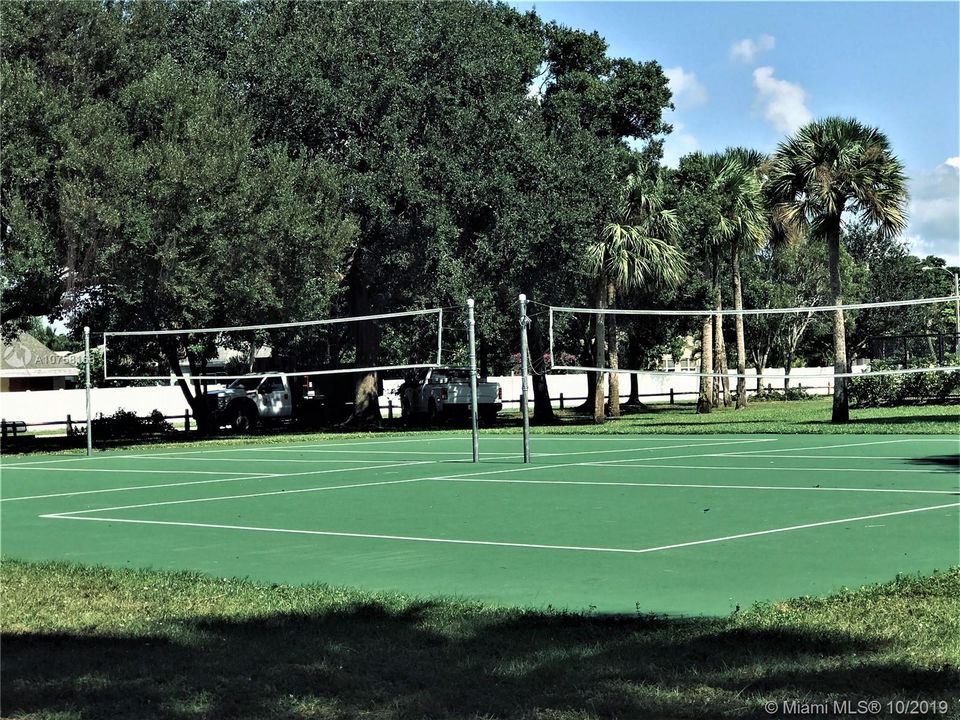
[(749, 73)]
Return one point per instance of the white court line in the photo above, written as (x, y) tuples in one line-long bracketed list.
[(475, 473), (274, 460), (357, 451), (124, 472), (233, 497), (237, 448), (565, 454), (814, 457), (314, 461), (845, 445), (630, 551), (655, 447), (354, 444), (208, 482), (775, 469), (320, 472), (699, 486)]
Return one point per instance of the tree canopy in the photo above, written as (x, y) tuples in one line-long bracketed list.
[(178, 164)]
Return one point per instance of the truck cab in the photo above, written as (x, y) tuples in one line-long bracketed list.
[(248, 400), (443, 393)]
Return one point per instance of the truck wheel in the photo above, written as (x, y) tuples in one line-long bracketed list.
[(488, 418), (242, 418)]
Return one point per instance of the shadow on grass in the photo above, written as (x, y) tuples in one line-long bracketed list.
[(377, 663)]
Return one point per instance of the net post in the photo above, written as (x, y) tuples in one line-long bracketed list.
[(553, 358), (473, 382), (956, 310), (524, 410), (86, 357), (440, 336)]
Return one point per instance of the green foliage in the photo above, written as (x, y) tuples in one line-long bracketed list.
[(172, 164), (148, 185), (202, 646), (914, 388), (50, 337), (792, 393), (125, 424)]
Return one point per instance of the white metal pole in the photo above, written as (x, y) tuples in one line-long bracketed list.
[(956, 311), (86, 351), (553, 358), (524, 410), (473, 382), (440, 337)]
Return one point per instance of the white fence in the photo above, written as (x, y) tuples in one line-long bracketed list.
[(48, 406)]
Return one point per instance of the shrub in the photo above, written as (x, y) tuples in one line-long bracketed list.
[(892, 390), (126, 424), (793, 393)]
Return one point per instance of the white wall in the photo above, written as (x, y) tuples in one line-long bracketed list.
[(656, 388), (55, 405)]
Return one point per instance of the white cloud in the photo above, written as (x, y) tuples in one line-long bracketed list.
[(953, 162), (687, 91), (783, 103), (748, 50), (935, 212), (677, 144)]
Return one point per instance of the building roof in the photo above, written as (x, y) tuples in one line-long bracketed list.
[(28, 357)]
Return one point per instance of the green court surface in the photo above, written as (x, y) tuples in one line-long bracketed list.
[(677, 525)]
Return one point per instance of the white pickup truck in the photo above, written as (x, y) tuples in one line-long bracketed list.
[(250, 400), (444, 392)]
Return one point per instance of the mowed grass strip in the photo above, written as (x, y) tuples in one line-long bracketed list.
[(769, 417), (91, 642), (795, 417)]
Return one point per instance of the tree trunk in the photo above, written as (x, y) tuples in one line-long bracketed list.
[(720, 361), (719, 354), (614, 376), (197, 399), (741, 343), (704, 401), (588, 358), (634, 398), (841, 401), (542, 407), (482, 351), (366, 402), (600, 349)]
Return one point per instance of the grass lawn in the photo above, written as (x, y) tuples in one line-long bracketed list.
[(789, 417), (90, 642), (803, 416)]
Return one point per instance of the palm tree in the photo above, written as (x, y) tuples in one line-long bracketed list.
[(735, 217), (827, 168), (633, 250), (743, 225)]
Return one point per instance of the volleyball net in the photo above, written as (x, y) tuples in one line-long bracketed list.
[(394, 341), (890, 338)]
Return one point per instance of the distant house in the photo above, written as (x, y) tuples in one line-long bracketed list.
[(28, 364)]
